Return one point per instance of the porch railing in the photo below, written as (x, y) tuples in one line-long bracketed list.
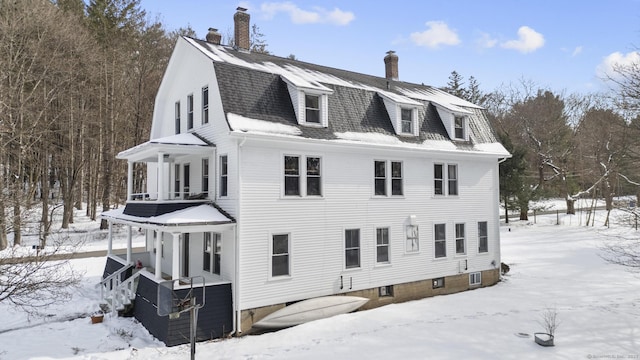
[(119, 292)]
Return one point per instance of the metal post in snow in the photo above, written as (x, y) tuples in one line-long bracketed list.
[(557, 217)]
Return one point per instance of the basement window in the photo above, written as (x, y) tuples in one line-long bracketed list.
[(438, 283), (385, 291), (475, 278)]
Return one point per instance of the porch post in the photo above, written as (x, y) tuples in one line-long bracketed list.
[(129, 244), (158, 264), (129, 179), (175, 264), (160, 176), (110, 242)]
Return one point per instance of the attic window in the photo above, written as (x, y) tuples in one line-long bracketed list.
[(459, 127), (312, 108), (406, 121)]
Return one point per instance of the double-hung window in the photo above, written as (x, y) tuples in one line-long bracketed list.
[(380, 177), (190, 112), (312, 109), (292, 175), (483, 245), (381, 172), (450, 180), (205, 176), (396, 178), (460, 240), (452, 174), (313, 176), (223, 175), (413, 239), (458, 126), (177, 116), (298, 182), (382, 245), (440, 235), (406, 121), (205, 105), (352, 248), (280, 255)]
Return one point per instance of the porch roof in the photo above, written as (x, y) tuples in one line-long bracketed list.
[(201, 215), (171, 146)]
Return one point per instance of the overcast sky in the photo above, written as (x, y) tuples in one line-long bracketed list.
[(559, 44)]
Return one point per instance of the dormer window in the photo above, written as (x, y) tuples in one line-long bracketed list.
[(312, 109), (310, 100), (406, 119), (459, 127)]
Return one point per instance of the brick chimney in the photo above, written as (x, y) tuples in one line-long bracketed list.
[(213, 36), (391, 65), (241, 28)]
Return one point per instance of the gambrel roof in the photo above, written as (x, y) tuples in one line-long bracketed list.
[(255, 94)]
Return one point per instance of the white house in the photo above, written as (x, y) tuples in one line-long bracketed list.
[(279, 180)]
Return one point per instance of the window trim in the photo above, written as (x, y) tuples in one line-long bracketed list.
[(205, 176), (462, 238), (385, 291), (485, 236), (177, 117), (445, 182), (205, 104), (414, 231), (388, 178), (411, 121), (189, 112), (358, 248), (186, 179), (461, 128), (323, 108), (224, 175), (438, 283), (272, 255), (303, 176), (380, 245), (177, 181), (475, 278), (436, 240)]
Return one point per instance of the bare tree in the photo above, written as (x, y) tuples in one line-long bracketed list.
[(38, 280)]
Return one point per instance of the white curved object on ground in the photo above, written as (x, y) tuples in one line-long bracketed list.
[(309, 310)]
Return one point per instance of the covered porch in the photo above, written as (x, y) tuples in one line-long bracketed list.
[(170, 161)]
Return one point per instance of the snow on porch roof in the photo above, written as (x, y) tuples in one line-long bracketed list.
[(193, 216), (186, 143)]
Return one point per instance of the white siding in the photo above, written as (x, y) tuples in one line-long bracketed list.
[(317, 225)]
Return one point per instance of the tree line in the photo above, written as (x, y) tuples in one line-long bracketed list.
[(568, 146), (77, 85)]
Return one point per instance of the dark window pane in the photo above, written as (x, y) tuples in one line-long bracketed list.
[(280, 244), (291, 185), (438, 187), (440, 231), (382, 254), (381, 187), (396, 169), (313, 166), (396, 187), (440, 249), (352, 258), (280, 265), (313, 186), (380, 169), (291, 165)]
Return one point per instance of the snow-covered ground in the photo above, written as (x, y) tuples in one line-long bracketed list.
[(552, 267)]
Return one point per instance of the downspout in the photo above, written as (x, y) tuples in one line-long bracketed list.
[(237, 319)]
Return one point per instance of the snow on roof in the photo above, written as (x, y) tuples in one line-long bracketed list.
[(492, 148), (180, 139), (441, 98), (307, 78), (241, 123), (196, 215), (188, 139)]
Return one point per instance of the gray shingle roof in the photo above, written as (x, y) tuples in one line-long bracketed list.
[(252, 86)]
